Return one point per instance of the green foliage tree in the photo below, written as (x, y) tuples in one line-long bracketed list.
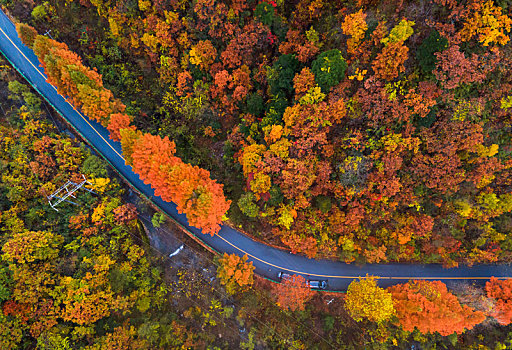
[(265, 13), (94, 166), (21, 92), (425, 54), (255, 104), (324, 203), (329, 69), (5, 282), (248, 206), (280, 77), (11, 333)]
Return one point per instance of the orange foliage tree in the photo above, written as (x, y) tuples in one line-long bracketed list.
[(293, 292), (235, 273), (430, 307), (390, 62), (355, 26), (501, 290), (85, 301), (190, 187), (27, 33), (98, 104), (117, 122), (303, 82), (31, 246), (82, 85), (486, 21)]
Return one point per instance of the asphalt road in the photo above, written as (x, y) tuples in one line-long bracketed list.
[(267, 260)]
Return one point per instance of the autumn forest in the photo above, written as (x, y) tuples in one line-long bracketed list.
[(360, 131)]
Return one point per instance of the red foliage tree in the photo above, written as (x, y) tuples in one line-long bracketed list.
[(297, 43), (501, 290), (299, 243), (293, 292), (125, 214), (246, 47), (454, 68), (440, 167)]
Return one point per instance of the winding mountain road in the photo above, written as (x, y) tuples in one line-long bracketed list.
[(267, 260)]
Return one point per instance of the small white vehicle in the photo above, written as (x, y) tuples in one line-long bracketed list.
[(317, 284), (283, 276)]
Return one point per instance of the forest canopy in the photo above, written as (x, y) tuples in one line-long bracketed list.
[(366, 132), (356, 133)]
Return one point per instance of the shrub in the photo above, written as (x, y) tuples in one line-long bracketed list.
[(39, 13)]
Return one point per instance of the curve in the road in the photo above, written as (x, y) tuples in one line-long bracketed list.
[(268, 261)]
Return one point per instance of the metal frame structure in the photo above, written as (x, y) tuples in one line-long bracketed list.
[(70, 188)]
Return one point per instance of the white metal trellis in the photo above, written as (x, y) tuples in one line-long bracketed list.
[(67, 190)]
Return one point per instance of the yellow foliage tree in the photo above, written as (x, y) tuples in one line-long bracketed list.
[(488, 23), (203, 54), (314, 95), (261, 183), (250, 156), (286, 216), (235, 273), (400, 33), (281, 148), (99, 184), (366, 300)]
